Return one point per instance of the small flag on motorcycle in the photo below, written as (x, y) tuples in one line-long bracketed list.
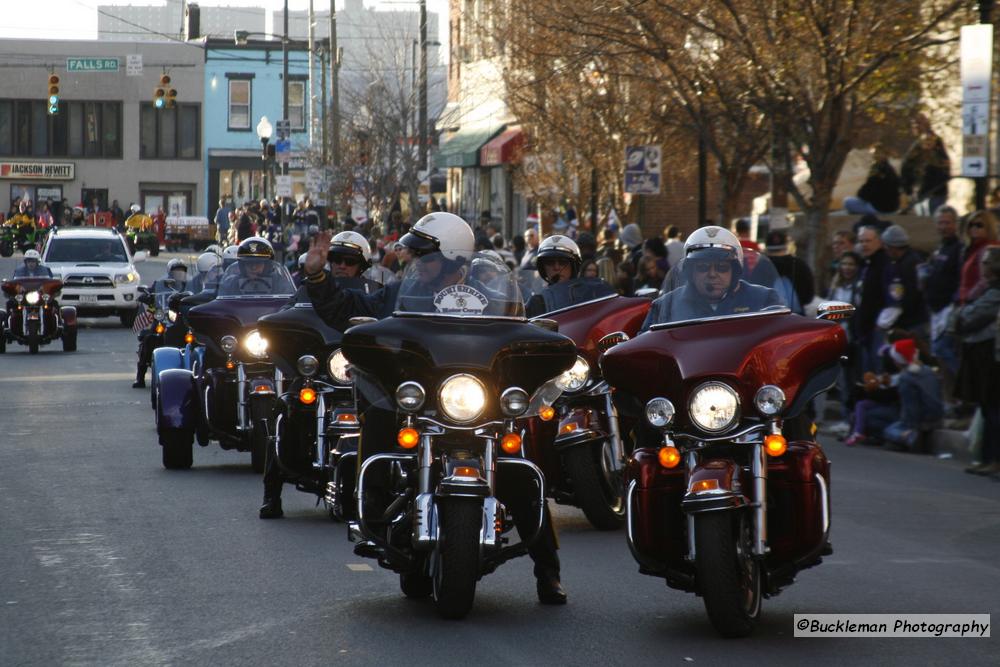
[(142, 321)]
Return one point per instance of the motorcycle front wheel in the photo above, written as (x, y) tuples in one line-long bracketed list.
[(728, 575), (597, 488), (456, 567), (33, 338), (6, 248)]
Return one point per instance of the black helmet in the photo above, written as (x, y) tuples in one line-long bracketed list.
[(558, 247), (255, 246)]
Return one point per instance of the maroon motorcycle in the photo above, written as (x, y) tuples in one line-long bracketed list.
[(728, 494), (33, 317), (585, 466)]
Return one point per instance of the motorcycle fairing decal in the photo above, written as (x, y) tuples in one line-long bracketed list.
[(460, 300)]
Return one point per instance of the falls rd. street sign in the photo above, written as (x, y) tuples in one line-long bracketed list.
[(92, 64)]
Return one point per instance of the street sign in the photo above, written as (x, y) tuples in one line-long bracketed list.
[(133, 64), (283, 128), (282, 150), (283, 185), (643, 165), (977, 69), (92, 64)]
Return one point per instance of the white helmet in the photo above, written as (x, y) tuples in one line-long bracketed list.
[(135, 208), (214, 248), (32, 254), (230, 252), (208, 261), (441, 232), (715, 244), (352, 243), (302, 259), (561, 247)]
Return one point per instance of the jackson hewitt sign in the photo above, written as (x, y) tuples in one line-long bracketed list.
[(57, 171)]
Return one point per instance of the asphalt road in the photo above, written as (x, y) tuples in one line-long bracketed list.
[(108, 559)]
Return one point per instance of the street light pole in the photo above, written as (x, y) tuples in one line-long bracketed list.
[(284, 112), (335, 84), (422, 118)]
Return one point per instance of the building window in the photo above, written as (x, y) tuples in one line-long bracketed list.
[(239, 104), (169, 134), (80, 129), (297, 104)]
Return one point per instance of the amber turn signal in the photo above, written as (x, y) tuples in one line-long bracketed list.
[(466, 471), (511, 443), (307, 395), (189, 338), (230, 365), (408, 438), (160, 328), (775, 444), (669, 457), (569, 428), (347, 417), (705, 485), (547, 413)]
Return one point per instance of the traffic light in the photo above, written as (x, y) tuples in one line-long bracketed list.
[(171, 98), (53, 94), (160, 96)]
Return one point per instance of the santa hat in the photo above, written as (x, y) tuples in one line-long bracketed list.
[(904, 353)]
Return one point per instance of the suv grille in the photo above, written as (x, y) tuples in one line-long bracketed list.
[(86, 282)]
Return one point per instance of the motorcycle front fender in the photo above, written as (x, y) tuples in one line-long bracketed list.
[(166, 358), (177, 404), (68, 315), (580, 426), (714, 485)]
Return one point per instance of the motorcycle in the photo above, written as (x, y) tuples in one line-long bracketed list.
[(584, 467), (142, 239), (33, 317), (315, 429), (18, 235), (231, 386), (728, 495), (439, 387)]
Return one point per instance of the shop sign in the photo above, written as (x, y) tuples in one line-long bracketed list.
[(50, 171)]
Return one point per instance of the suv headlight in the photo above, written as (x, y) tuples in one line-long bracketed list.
[(462, 398), (255, 344), (32, 298), (714, 407), (126, 278), (575, 377), (339, 367)]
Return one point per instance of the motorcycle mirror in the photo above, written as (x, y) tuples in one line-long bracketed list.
[(647, 293), (142, 289), (544, 323), (354, 321), (834, 311), (612, 339)]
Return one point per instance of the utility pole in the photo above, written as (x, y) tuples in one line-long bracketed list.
[(284, 110), (335, 84), (422, 114), (312, 86)]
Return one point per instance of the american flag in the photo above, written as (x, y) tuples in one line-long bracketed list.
[(142, 321)]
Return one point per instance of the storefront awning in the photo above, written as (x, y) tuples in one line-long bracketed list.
[(504, 149), (462, 148)]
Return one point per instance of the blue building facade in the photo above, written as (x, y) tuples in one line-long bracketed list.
[(243, 84)]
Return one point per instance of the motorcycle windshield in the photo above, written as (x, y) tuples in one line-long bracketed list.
[(478, 287), (708, 287), (255, 277)]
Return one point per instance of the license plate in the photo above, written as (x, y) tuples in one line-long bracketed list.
[(88, 298)]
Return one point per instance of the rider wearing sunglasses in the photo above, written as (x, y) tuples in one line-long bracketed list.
[(713, 285), (350, 255)]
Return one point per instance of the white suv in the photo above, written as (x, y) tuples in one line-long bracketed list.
[(97, 270)]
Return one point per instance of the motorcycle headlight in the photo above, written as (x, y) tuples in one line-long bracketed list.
[(307, 365), (769, 401), (410, 396), (32, 298), (228, 344), (160, 315), (19, 298), (462, 398), (255, 344), (714, 407), (575, 377), (339, 368), (514, 402), (659, 412), (172, 315)]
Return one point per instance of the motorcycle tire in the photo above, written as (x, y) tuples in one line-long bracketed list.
[(127, 319), (595, 493), (154, 249), (3, 340), (69, 339), (729, 577), (456, 568), (416, 585), (177, 448), (6, 249)]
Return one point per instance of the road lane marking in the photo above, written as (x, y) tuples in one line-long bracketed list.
[(70, 377), (359, 567)]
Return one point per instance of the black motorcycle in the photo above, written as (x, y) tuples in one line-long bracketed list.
[(315, 426), (443, 478)]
